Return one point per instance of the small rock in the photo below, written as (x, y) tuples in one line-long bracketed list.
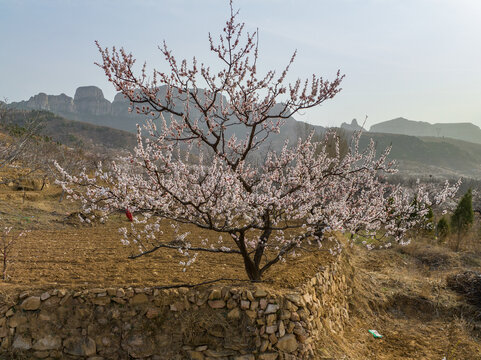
[(49, 342), (245, 304), (101, 301), (215, 294), (138, 299), (97, 291), (234, 314), (271, 309), (22, 343), (294, 298), (41, 354), (245, 357), (80, 346), (263, 304), (268, 356), (216, 304), (260, 293), (287, 343), (31, 303), (44, 296), (17, 319), (271, 329), (152, 313), (196, 355), (282, 329)]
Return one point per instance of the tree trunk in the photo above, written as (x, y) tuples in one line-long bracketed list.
[(253, 271)]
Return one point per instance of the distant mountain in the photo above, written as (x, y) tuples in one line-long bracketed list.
[(353, 126), (89, 105), (462, 131)]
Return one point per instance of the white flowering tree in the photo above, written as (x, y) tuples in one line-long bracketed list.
[(201, 165)]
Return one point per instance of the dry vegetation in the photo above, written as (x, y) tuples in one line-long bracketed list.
[(401, 292)]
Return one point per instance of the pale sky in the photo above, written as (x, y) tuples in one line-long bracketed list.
[(420, 59)]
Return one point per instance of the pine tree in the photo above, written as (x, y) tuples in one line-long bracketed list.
[(442, 229), (463, 217)]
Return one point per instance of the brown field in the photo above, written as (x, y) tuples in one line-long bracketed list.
[(400, 292)]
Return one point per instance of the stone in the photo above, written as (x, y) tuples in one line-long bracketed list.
[(118, 300), (201, 348), (216, 304), (31, 303), (251, 314), (16, 320), (263, 304), (270, 319), (259, 293), (271, 329), (137, 345), (249, 295), (234, 314), (138, 299), (97, 291), (10, 312), (231, 303), (196, 355), (101, 301), (245, 357), (245, 304), (264, 346), (152, 313), (44, 296), (285, 314), (48, 342), (282, 329), (294, 298), (215, 294), (22, 343), (287, 343), (271, 309), (80, 346), (41, 354), (273, 338), (120, 293), (268, 356)]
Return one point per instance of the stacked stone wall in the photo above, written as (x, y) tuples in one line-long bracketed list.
[(245, 322)]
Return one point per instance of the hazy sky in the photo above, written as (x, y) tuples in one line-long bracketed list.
[(420, 59)]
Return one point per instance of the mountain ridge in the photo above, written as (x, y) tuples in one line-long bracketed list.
[(462, 131)]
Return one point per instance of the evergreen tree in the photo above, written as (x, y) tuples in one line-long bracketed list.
[(442, 229), (463, 217)]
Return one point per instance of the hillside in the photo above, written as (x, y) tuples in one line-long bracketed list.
[(71, 132), (461, 131), (422, 156)]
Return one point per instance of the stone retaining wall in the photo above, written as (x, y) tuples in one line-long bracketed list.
[(217, 322)]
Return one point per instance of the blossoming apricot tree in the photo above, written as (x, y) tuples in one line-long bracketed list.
[(198, 166)]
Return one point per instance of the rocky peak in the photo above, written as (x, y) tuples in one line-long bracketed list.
[(90, 100), (353, 126)]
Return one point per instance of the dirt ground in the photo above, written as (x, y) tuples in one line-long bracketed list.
[(399, 292), (61, 251)]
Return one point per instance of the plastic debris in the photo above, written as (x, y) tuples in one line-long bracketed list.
[(375, 334)]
